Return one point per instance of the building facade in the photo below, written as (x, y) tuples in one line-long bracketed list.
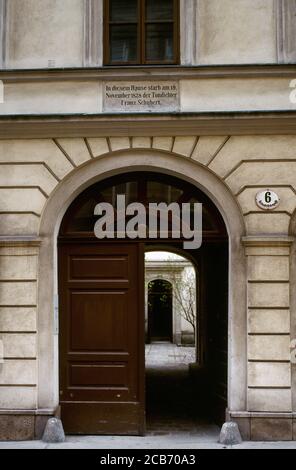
[(198, 92)]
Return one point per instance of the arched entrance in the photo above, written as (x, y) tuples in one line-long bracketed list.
[(102, 340), (120, 163), (160, 310)]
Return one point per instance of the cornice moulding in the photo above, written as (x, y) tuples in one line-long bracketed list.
[(119, 125)]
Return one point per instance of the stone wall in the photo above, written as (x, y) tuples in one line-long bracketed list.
[(18, 326), (44, 34), (31, 171), (236, 31), (67, 95), (212, 32)]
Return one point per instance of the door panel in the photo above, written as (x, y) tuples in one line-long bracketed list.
[(102, 327), (102, 337), (97, 267)]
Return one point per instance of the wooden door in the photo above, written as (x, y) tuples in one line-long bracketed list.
[(102, 356)]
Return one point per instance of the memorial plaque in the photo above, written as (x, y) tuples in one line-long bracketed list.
[(141, 97)]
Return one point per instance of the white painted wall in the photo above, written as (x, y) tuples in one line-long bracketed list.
[(45, 33), (236, 31), (52, 33)]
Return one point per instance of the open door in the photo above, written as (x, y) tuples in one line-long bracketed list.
[(102, 353)]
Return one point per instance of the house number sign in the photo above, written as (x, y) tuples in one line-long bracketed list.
[(267, 200)]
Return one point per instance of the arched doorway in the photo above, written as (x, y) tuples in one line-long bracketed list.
[(160, 310), (102, 340)]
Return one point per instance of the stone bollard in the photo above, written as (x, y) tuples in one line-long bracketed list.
[(230, 435), (54, 432)]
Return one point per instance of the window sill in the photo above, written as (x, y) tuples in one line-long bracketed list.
[(156, 72)]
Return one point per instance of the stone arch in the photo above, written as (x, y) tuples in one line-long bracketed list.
[(173, 250), (100, 169)]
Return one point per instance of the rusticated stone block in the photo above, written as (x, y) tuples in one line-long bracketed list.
[(16, 428), (40, 424), (244, 425), (271, 429)]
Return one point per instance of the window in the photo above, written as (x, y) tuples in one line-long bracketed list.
[(144, 188), (141, 32)]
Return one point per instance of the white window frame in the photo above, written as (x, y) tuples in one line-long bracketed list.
[(3, 32), (286, 31), (93, 33)]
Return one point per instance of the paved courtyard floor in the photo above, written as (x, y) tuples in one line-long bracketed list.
[(170, 400), (170, 412), (165, 355)]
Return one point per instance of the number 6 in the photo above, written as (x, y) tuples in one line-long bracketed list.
[(268, 197)]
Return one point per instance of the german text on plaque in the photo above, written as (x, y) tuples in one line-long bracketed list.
[(141, 96)]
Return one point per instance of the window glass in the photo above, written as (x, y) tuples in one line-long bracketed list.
[(137, 187), (124, 11), (123, 43), (157, 191), (159, 10), (160, 42)]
